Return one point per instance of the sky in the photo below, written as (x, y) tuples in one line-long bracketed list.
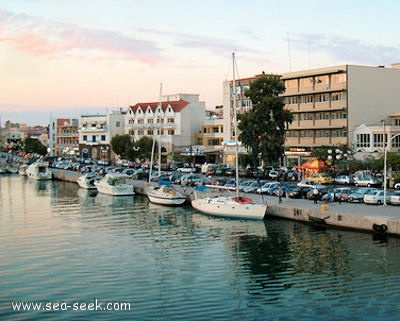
[(62, 58)]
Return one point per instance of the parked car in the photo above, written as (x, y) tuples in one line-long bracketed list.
[(322, 190), (244, 184), (273, 174), (321, 178), (306, 183), (191, 179), (264, 188), (252, 188), (344, 180), (358, 194), (298, 192), (337, 194), (395, 198), (368, 181), (376, 197)]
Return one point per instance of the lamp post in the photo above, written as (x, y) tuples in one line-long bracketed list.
[(333, 156), (385, 167)]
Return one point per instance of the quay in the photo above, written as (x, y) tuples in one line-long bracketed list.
[(362, 217)]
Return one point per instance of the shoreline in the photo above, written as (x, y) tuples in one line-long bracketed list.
[(378, 219)]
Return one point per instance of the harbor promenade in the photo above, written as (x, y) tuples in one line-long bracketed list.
[(370, 218)]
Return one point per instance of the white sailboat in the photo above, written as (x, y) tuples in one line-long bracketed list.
[(231, 206), (164, 193)]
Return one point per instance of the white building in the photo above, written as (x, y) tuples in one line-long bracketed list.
[(369, 141), (96, 132), (180, 119)]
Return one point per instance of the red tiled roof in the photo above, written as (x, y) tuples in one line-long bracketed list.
[(176, 106)]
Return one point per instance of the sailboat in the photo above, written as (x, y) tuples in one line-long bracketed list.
[(164, 193), (230, 206)]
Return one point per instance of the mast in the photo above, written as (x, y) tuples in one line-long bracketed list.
[(160, 132), (235, 126), (159, 107)]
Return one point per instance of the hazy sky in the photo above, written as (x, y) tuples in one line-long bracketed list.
[(65, 57)]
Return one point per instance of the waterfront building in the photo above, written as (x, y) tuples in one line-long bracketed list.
[(327, 104), (370, 140), (180, 119), (64, 138), (96, 132), (210, 137)]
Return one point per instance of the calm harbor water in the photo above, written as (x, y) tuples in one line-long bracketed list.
[(63, 245)]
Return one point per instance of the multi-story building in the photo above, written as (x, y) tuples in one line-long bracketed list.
[(96, 132), (64, 138), (327, 104), (210, 138), (179, 120)]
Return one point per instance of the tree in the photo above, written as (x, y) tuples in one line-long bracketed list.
[(33, 145), (144, 147), (122, 145), (262, 128)]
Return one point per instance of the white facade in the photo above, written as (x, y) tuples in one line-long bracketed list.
[(179, 120), (96, 132)]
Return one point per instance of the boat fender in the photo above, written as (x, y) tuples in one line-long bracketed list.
[(379, 228)]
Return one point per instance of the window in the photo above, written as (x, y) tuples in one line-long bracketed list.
[(93, 139), (171, 132), (170, 120), (379, 140), (150, 121), (396, 142), (363, 140), (140, 121), (103, 138)]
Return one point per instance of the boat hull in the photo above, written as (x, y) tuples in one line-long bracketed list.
[(165, 195), (39, 171), (228, 208), (166, 200)]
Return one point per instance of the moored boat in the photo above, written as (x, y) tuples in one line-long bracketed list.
[(165, 194), (115, 184), (39, 171), (87, 180)]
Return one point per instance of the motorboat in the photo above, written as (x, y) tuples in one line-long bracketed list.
[(87, 180), (22, 170), (166, 194), (116, 184), (39, 171)]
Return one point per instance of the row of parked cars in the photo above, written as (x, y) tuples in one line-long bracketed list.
[(304, 190)]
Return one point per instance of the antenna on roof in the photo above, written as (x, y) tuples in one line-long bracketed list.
[(289, 53)]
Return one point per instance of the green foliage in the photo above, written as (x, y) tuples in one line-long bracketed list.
[(33, 145), (262, 129), (122, 145), (144, 146)]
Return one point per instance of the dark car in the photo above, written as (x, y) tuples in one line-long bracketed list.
[(321, 192), (298, 192)]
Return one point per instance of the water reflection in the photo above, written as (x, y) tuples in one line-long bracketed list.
[(173, 263)]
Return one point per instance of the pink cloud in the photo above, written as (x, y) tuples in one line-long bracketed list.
[(50, 39)]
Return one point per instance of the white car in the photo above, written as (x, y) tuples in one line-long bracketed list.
[(397, 186), (308, 183), (264, 189), (395, 199), (376, 197)]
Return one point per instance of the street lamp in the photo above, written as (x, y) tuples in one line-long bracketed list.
[(333, 156), (385, 167)]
